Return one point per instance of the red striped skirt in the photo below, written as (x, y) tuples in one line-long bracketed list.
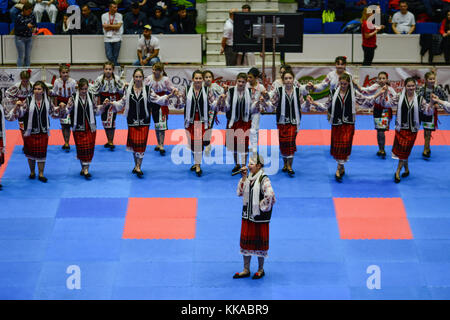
[(403, 143), (2, 152), (85, 143), (254, 238), (137, 138), (287, 134), (341, 141), (195, 134), (36, 146), (238, 136)]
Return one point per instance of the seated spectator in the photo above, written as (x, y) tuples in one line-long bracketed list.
[(147, 49), (182, 23), (89, 22), (17, 8), (159, 22), (47, 6), (135, 20), (149, 6), (445, 32), (403, 21), (63, 26)]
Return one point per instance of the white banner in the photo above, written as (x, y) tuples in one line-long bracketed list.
[(10, 76)]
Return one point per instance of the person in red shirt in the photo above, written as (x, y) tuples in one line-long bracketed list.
[(445, 32), (369, 34)]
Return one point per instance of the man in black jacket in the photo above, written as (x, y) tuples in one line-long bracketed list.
[(135, 20), (182, 23), (89, 22)]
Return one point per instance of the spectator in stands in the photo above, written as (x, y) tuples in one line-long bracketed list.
[(369, 34), (227, 40), (135, 20), (182, 23), (149, 7), (47, 6), (89, 22), (63, 26), (24, 27), (445, 32), (403, 21), (159, 22), (17, 8), (112, 23), (147, 49), (246, 58)]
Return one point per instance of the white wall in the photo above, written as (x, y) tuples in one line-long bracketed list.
[(90, 49), (391, 49)]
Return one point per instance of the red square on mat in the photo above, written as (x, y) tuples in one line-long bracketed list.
[(372, 218), (160, 218)]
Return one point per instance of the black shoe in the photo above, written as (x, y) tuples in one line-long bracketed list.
[(258, 275), (88, 176), (1, 187), (379, 153), (199, 173), (342, 173), (291, 172), (112, 147), (81, 173), (157, 148), (162, 152), (134, 171), (237, 275), (193, 168), (139, 174), (405, 174), (32, 176), (338, 178), (42, 179), (284, 169), (426, 154), (236, 169), (64, 147), (396, 179), (107, 145)]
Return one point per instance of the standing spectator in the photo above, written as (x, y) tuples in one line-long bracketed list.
[(369, 35), (112, 23), (159, 22), (147, 49), (445, 32), (25, 25), (47, 6), (227, 40), (182, 23), (89, 22), (403, 22), (135, 20), (246, 58)]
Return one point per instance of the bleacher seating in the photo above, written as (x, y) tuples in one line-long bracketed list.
[(312, 25), (427, 28), (333, 27)]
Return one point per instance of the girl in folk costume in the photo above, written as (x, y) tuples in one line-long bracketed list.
[(407, 124), (381, 114), (239, 107), (35, 112), (84, 108), (137, 110), (288, 102), (341, 107), (217, 91), (258, 201), (19, 92), (63, 88), (161, 85), (197, 102), (332, 79), (256, 89), (430, 122), (108, 86)]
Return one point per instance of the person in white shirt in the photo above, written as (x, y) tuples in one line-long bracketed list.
[(403, 21), (47, 6), (227, 41), (147, 48), (112, 23)]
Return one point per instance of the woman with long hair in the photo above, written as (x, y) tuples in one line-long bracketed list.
[(108, 86), (430, 122), (35, 112), (160, 83), (63, 88), (137, 110)]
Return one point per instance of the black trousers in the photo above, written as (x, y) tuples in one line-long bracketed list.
[(446, 47), (369, 53)]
